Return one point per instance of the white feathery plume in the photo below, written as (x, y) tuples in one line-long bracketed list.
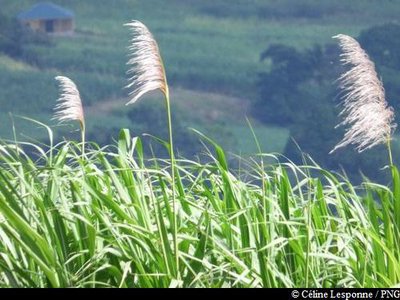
[(146, 66), (365, 110), (148, 74), (69, 106)]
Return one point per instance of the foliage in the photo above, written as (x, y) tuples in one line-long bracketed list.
[(8, 42), (149, 117), (105, 221), (16, 38), (283, 100), (382, 44), (297, 92), (106, 218)]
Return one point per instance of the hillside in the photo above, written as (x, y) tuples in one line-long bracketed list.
[(211, 52)]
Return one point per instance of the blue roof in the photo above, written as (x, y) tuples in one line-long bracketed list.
[(45, 11)]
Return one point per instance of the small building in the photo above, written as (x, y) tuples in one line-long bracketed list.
[(48, 18)]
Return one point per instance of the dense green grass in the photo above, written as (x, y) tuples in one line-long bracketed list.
[(105, 220)]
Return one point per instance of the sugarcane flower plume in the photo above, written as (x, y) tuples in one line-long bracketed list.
[(146, 69), (69, 106), (366, 114)]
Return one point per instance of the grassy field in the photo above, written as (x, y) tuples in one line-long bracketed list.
[(207, 47), (105, 219)]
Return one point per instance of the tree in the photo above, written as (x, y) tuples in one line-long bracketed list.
[(149, 117), (9, 36), (298, 92), (382, 44), (283, 100)]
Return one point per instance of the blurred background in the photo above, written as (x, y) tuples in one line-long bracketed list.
[(273, 62)]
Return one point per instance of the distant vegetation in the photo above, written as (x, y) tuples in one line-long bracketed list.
[(299, 91)]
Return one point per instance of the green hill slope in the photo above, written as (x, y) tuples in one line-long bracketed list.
[(207, 47)]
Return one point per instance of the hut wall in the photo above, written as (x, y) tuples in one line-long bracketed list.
[(63, 26), (35, 25), (58, 26)]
